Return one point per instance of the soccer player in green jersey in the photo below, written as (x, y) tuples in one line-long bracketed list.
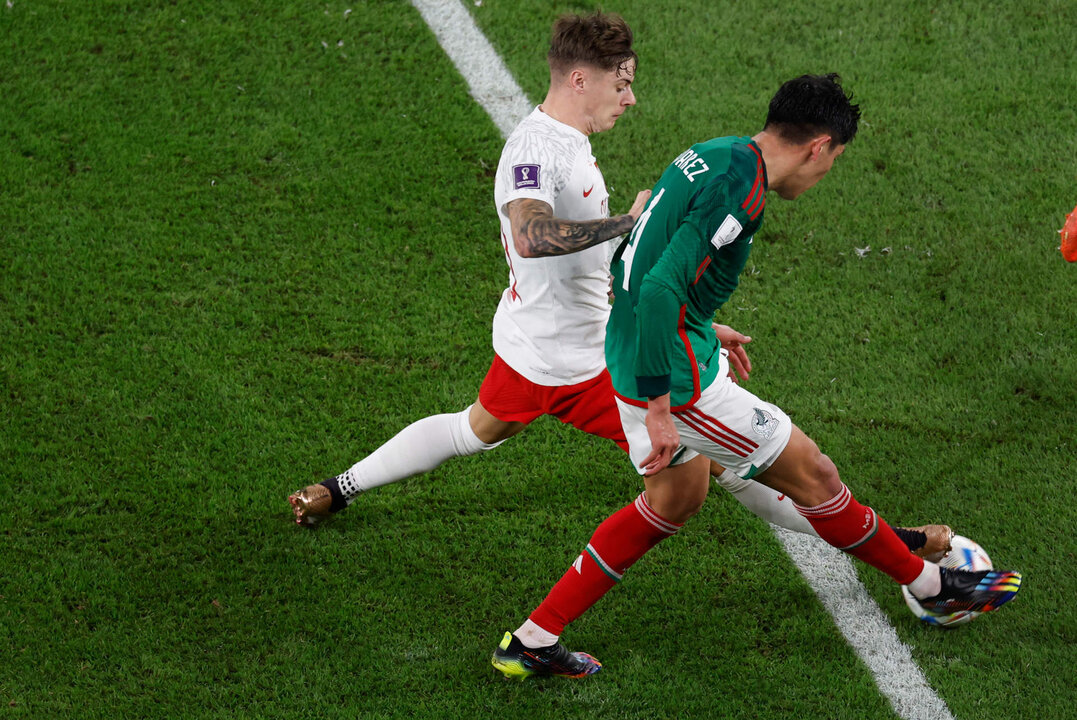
[(679, 408)]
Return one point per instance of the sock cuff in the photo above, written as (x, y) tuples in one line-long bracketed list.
[(339, 499), (831, 507), (656, 520), (732, 482)]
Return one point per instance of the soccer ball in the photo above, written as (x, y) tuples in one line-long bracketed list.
[(964, 555)]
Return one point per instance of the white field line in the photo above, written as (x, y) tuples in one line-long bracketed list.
[(490, 82), (829, 572), (832, 576)]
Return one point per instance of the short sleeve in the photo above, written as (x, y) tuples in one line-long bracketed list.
[(536, 166)]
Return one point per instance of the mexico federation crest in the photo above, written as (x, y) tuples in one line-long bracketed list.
[(764, 424)]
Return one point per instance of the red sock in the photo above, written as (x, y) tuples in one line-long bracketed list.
[(621, 540), (856, 529)]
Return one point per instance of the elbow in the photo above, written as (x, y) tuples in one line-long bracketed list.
[(524, 248)]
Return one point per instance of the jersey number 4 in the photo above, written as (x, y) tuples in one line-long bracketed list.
[(633, 238)]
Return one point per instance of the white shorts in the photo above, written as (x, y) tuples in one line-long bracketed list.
[(727, 424)]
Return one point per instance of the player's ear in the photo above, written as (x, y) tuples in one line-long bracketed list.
[(577, 78), (819, 145)]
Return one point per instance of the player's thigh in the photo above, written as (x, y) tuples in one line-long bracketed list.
[(733, 427), (506, 397), (634, 423), (591, 407), (803, 472)]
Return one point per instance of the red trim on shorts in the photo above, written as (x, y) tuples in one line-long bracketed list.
[(717, 432)]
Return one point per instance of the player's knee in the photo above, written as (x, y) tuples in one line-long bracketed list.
[(822, 477), (681, 511), (678, 507), (483, 430), (467, 440)]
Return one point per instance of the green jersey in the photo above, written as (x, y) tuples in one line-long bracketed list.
[(681, 262)]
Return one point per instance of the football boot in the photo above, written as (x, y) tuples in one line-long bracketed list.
[(311, 504), (981, 591), (519, 662), (931, 542)]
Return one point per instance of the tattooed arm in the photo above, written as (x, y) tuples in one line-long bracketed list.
[(537, 233)]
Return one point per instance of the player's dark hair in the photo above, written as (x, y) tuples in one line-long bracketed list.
[(809, 105), (601, 40)]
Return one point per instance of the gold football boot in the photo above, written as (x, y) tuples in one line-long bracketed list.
[(311, 504), (937, 543)]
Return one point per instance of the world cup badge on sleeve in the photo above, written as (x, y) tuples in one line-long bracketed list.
[(525, 177)]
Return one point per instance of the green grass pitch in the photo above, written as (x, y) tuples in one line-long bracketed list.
[(241, 244)]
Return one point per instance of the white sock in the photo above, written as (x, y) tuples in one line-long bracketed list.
[(928, 583), (532, 636), (418, 448), (765, 502)]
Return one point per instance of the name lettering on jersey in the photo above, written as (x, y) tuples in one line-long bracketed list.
[(691, 164), (525, 177), (727, 232)]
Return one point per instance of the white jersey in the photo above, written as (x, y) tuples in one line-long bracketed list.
[(551, 323)]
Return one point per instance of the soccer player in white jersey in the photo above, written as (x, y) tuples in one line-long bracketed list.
[(553, 207)]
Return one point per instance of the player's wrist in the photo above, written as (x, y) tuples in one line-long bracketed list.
[(658, 404)]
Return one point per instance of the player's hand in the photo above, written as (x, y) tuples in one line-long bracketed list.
[(734, 342), (663, 434), (641, 202)]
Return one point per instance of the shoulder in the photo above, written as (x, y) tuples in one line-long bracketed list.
[(539, 137), (741, 174), (745, 164)]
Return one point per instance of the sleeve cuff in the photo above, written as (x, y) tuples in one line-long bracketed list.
[(652, 385)]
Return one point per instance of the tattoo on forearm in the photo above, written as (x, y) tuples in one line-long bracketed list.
[(537, 233)]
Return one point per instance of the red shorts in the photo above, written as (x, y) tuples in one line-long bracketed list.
[(510, 397)]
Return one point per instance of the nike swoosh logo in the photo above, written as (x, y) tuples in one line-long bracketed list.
[(781, 497), (588, 191)]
